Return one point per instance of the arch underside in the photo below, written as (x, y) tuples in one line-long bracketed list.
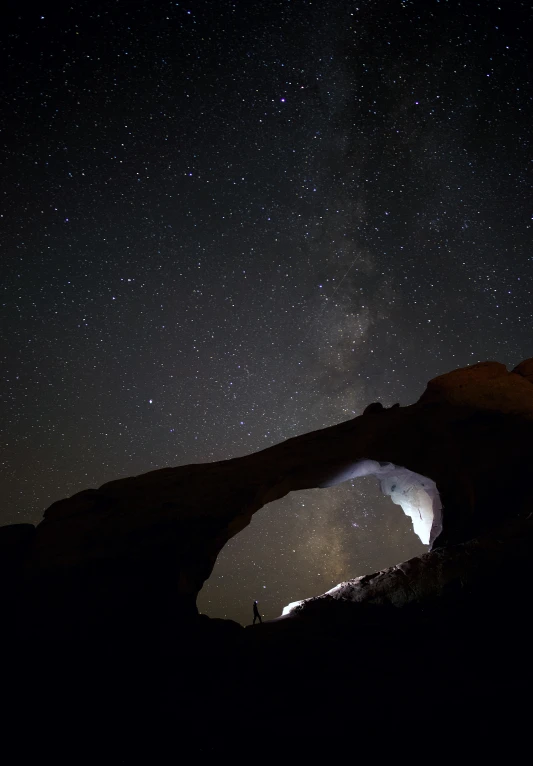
[(417, 495)]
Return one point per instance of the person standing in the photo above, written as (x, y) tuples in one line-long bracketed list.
[(257, 616)]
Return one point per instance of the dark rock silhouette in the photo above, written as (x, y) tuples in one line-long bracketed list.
[(104, 588), (373, 408), (470, 433)]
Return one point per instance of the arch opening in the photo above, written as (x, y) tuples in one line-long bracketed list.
[(417, 496), (307, 542)]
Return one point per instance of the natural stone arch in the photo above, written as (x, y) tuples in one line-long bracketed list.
[(152, 540), (418, 500)]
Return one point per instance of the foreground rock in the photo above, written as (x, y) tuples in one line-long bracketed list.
[(447, 575)]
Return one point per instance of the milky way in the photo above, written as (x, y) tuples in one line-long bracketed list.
[(228, 223)]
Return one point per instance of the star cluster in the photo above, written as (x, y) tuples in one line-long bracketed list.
[(227, 223)]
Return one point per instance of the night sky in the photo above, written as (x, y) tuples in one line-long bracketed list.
[(228, 223)]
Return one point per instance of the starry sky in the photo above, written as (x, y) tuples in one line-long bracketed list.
[(228, 223)]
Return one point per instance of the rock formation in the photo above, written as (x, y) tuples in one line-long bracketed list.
[(470, 434), (129, 558)]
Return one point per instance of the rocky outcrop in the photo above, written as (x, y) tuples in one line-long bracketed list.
[(152, 540), (478, 568)]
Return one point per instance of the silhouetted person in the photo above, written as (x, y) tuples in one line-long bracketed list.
[(257, 616)]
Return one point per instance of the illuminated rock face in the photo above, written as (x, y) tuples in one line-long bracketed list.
[(457, 570), (415, 494), (455, 461), (418, 498)]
